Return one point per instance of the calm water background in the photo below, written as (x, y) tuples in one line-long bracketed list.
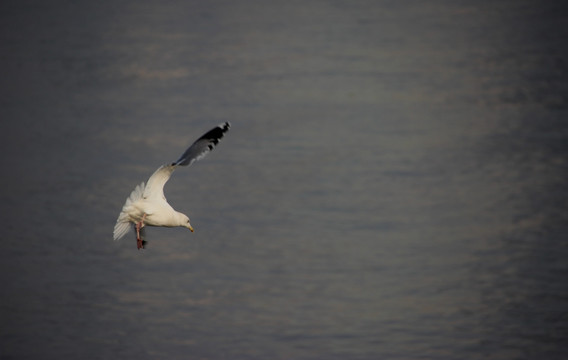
[(393, 186)]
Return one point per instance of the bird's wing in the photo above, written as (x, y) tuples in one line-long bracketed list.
[(155, 186), (203, 145), (198, 150)]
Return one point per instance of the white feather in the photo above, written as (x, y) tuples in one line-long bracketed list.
[(122, 226)]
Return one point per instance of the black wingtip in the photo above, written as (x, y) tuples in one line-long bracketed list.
[(217, 133), (203, 145)]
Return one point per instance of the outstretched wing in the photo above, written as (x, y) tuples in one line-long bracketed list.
[(203, 145), (155, 186), (198, 150)]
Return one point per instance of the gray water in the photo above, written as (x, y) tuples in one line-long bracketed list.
[(393, 185)]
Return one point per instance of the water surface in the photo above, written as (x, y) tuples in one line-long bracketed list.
[(393, 185)]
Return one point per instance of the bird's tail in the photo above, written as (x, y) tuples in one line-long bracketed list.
[(123, 224)]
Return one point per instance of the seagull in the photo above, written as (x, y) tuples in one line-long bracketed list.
[(147, 204)]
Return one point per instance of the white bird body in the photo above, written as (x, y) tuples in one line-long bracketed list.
[(147, 204)]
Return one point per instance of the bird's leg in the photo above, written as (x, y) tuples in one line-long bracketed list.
[(139, 225), (138, 239)]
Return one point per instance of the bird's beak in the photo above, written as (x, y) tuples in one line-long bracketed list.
[(190, 228)]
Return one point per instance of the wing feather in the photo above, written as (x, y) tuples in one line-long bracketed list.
[(203, 145), (155, 185)]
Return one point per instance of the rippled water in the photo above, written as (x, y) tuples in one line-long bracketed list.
[(393, 185)]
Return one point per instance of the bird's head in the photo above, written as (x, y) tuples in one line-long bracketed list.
[(184, 221)]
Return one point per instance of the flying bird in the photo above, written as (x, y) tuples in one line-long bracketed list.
[(147, 205)]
